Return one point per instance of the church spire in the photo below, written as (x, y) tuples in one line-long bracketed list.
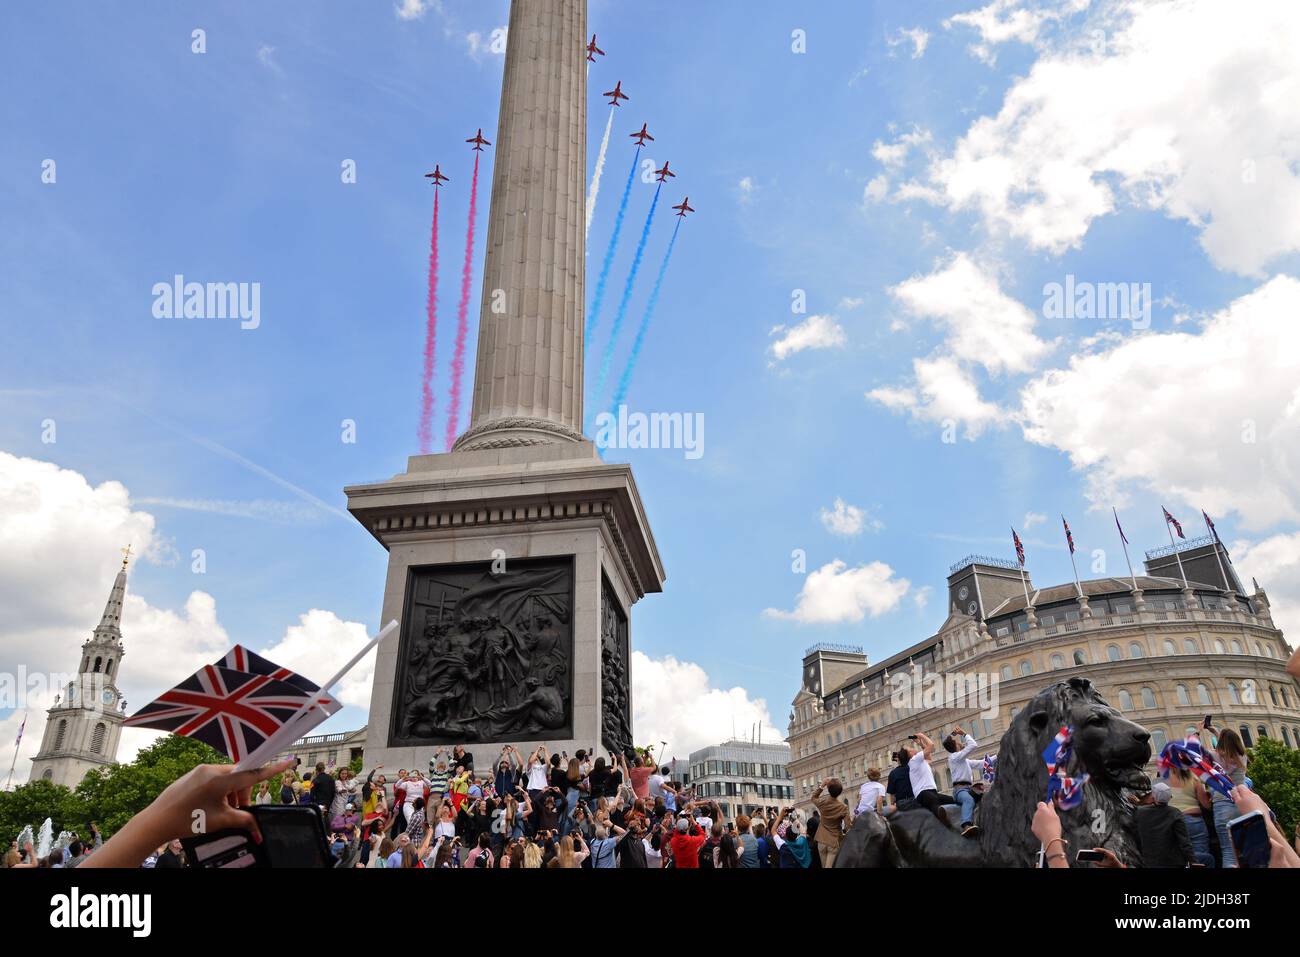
[(110, 624)]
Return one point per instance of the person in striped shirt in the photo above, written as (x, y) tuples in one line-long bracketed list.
[(439, 776)]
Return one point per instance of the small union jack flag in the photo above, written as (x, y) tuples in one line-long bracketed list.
[(1173, 521), (232, 710), (990, 771), (1066, 791), (1058, 750), (1020, 548), (1210, 525), (1068, 537), (1122, 537), (1189, 756), (240, 658)]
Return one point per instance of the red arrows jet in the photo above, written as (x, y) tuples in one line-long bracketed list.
[(684, 208), (593, 50), (642, 136), (437, 177), (664, 173), (616, 94), (478, 140)]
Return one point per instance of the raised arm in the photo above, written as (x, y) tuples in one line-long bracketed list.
[(926, 744)]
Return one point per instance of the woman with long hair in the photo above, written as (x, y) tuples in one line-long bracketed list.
[(532, 857), (727, 855), (1229, 752)]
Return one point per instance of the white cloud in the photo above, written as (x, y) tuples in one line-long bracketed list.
[(1187, 108), (59, 552), (848, 520), (319, 645), (876, 189), (674, 701), (1210, 418), (917, 36), (1275, 562), (895, 153), (266, 56), (815, 332), (983, 325), (415, 9), (921, 597), (1004, 21), (943, 391), (746, 189), (836, 593), (1032, 519)]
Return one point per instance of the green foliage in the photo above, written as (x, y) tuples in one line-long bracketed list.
[(1275, 773), (31, 804), (355, 764)]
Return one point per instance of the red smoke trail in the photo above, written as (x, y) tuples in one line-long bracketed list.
[(430, 340), (462, 315)]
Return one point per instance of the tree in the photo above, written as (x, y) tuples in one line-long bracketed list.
[(110, 796), (1275, 773), (31, 804)]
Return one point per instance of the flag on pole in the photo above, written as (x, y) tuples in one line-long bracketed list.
[(21, 728), (232, 710), (1068, 537), (1173, 521), (1122, 537), (1210, 525), (1020, 548)]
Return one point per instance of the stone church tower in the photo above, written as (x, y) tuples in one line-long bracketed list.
[(83, 727)]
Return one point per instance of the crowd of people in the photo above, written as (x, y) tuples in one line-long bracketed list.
[(588, 810)]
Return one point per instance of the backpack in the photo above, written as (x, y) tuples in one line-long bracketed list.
[(706, 854)]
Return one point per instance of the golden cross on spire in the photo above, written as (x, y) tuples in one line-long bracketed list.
[(126, 555)]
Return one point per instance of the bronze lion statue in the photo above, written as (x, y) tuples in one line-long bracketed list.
[(1111, 749)]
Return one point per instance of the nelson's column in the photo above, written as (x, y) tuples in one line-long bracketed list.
[(514, 559)]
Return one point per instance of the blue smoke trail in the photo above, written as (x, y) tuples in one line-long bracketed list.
[(627, 295), (609, 252), (621, 392)]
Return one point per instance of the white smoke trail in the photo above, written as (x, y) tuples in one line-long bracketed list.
[(600, 168)]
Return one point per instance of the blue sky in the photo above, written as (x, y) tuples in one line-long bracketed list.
[(225, 166)]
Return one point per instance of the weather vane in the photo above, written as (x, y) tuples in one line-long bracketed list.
[(126, 555)]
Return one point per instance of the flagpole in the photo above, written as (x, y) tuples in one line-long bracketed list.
[(1124, 545), (1077, 586), (1214, 533), (12, 764), (307, 717), (1177, 557)]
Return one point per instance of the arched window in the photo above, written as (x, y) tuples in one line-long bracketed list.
[(108, 667), (1245, 736), (1272, 693), (1148, 698), (1218, 646), (1286, 738), (1134, 650), (59, 735), (1258, 650), (48, 775), (1183, 699), (1263, 732), (1236, 647), (1026, 668), (1058, 662), (1170, 647), (1286, 699), (1113, 652), (1079, 657), (97, 739), (1125, 701), (1233, 694), (1203, 694), (1191, 647), (1158, 740), (1006, 672), (98, 661)]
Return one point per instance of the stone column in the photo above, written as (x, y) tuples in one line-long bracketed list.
[(528, 376)]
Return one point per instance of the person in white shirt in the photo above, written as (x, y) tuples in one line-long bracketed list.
[(960, 772), (922, 778), (871, 796), (537, 773)]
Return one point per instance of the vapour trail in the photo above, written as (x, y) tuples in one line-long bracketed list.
[(600, 168), (599, 295), (627, 295), (462, 314), (620, 393), (430, 340)]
